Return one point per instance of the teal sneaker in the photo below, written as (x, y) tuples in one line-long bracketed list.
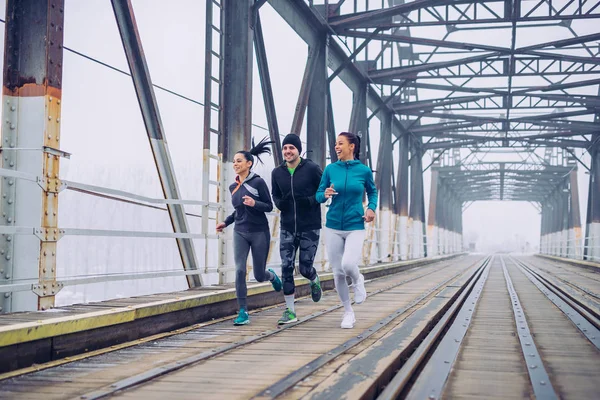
[(276, 282), (315, 289), (287, 318), (242, 318)]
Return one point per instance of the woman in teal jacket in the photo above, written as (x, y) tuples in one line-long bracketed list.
[(345, 182)]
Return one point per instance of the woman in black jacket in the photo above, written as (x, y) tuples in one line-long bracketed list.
[(251, 200)]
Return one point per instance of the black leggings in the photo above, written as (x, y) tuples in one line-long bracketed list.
[(243, 242)]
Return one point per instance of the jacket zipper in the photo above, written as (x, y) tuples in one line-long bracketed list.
[(293, 200), (344, 203)]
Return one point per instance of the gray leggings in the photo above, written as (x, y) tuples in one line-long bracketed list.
[(344, 250), (243, 242)]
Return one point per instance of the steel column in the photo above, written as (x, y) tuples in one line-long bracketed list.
[(236, 100), (384, 184), (417, 206), (592, 238), (358, 119), (402, 196), (574, 217), (267, 90), (316, 117), (31, 114), (313, 62), (140, 74), (432, 222)]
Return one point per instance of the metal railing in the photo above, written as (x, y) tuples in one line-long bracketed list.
[(372, 250), (562, 244)]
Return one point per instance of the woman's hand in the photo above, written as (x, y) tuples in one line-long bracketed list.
[(330, 192), (369, 215), (220, 227), (249, 201)]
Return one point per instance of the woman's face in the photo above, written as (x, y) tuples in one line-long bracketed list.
[(343, 148), (240, 164)]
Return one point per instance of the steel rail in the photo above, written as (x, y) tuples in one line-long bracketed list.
[(289, 381), (538, 376), (435, 373), (582, 319), (177, 365), (410, 368), (537, 271)]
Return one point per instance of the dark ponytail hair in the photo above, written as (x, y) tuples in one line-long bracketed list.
[(354, 139), (257, 149)]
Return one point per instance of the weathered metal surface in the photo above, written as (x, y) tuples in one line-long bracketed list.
[(32, 113)]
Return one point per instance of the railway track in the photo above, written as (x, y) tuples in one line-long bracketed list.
[(472, 327)]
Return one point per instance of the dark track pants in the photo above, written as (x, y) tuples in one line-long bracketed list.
[(289, 243)]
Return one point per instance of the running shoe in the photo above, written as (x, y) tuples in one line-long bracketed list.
[(315, 289), (276, 282), (360, 293), (242, 318), (287, 318), (348, 320)]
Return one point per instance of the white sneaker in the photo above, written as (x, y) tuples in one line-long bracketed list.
[(360, 293), (348, 321)]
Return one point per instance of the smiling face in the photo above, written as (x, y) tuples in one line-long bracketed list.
[(241, 166), (343, 148), (290, 153)]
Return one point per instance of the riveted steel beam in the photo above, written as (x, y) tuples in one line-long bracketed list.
[(31, 110)]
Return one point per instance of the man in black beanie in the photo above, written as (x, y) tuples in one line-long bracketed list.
[(294, 185)]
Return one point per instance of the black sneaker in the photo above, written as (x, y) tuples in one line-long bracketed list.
[(315, 289)]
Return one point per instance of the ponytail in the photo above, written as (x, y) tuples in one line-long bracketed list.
[(257, 149)]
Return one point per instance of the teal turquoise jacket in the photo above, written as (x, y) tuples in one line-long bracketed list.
[(350, 179)]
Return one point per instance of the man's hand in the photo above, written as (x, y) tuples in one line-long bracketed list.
[(220, 227)]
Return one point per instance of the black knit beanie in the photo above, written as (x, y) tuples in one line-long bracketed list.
[(293, 139)]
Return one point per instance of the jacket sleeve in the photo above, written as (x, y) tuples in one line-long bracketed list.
[(316, 175), (230, 219), (320, 195), (371, 189), (281, 202), (264, 202)]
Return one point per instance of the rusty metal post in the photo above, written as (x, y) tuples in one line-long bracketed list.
[(140, 74), (31, 113), (316, 117), (402, 196)]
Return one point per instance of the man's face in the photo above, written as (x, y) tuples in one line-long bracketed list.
[(290, 153)]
